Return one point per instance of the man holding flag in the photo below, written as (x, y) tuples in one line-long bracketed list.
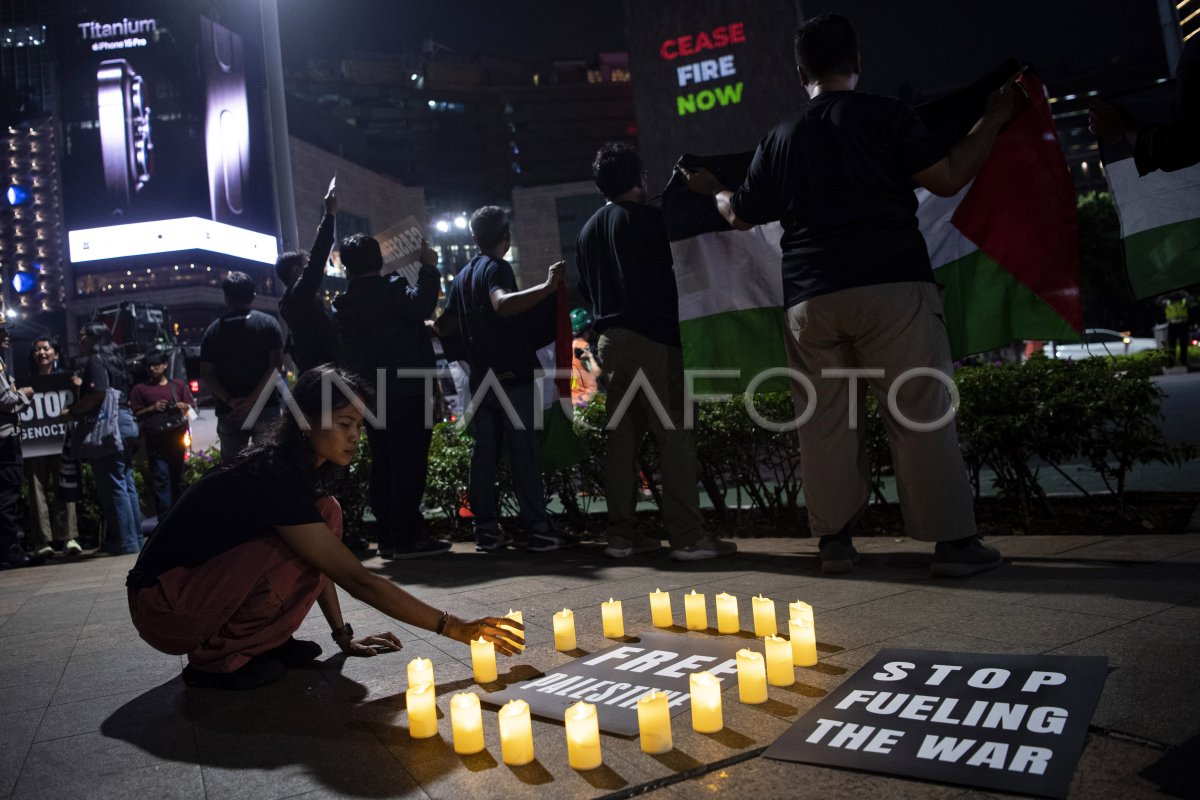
[(859, 293)]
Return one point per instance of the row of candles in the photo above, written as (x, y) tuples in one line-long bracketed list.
[(654, 717)]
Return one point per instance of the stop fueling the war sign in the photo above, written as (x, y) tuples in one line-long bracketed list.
[(1014, 723)]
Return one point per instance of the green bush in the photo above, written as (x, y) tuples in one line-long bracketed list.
[(1015, 419)]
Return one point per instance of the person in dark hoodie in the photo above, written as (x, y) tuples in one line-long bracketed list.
[(381, 321), (312, 337)]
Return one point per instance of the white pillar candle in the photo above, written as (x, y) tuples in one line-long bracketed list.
[(660, 609), (804, 643), (654, 723), (800, 610), (421, 701), (466, 723), (583, 736), (516, 616), (483, 659), (516, 733), (614, 621), (420, 670), (780, 671), (706, 702), (764, 616), (752, 677), (695, 613), (564, 630), (727, 613)]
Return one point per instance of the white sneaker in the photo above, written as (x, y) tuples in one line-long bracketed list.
[(708, 547), (632, 550)]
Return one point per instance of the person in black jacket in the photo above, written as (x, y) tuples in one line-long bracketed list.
[(12, 402), (381, 321), (312, 337)]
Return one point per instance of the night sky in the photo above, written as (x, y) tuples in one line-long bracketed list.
[(930, 44)]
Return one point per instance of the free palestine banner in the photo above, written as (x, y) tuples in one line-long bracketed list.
[(1004, 250)]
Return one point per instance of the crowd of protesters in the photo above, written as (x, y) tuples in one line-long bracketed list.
[(237, 561)]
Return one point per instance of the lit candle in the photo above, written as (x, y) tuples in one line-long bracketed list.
[(752, 677), (564, 630), (583, 736), (800, 610), (780, 671), (614, 621), (727, 614), (516, 616), (516, 733), (804, 643), (764, 616), (483, 659), (706, 702), (422, 711), (420, 670), (660, 609), (654, 722), (694, 611), (466, 723)]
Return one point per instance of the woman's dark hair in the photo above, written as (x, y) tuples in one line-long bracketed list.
[(106, 354), (360, 255), (284, 450), (55, 345), (825, 46), (616, 169)]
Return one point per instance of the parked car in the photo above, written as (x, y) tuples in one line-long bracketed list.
[(1100, 342)]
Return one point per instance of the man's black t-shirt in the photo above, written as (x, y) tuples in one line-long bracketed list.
[(626, 271), (226, 508), (501, 344), (838, 176), (238, 344)]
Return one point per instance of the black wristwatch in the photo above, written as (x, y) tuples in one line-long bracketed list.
[(345, 630)]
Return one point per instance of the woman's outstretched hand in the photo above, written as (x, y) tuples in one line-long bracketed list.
[(505, 634)]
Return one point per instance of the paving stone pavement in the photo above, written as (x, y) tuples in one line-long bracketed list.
[(89, 710)]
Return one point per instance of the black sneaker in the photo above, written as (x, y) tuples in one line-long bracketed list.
[(838, 555), (424, 547), (294, 653), (491, 539), (257, 672), (549, 537), (962, 557)]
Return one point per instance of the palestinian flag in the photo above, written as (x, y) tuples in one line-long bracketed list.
[(1159, 211), (1005, 250)]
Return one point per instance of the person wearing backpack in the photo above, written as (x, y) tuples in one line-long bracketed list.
[(112, 466), (161, 407)]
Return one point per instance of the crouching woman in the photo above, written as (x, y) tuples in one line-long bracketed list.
[(236, 565)]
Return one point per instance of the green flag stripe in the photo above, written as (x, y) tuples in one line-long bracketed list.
[(749, 340), (987, 307), (1164, 259)]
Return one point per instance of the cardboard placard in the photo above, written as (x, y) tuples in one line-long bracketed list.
[(401, 248), (1009, 722), (614, 678), (42, 428)]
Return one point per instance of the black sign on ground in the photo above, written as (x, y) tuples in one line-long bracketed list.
[(1013, 723), (614, 679), (43, 428)]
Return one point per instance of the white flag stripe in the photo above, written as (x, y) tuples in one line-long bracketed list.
[(729, 271), (944, 241), (1154, 200)]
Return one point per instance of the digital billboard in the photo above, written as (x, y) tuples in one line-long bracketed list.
[(709, 76), (165, 137)]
